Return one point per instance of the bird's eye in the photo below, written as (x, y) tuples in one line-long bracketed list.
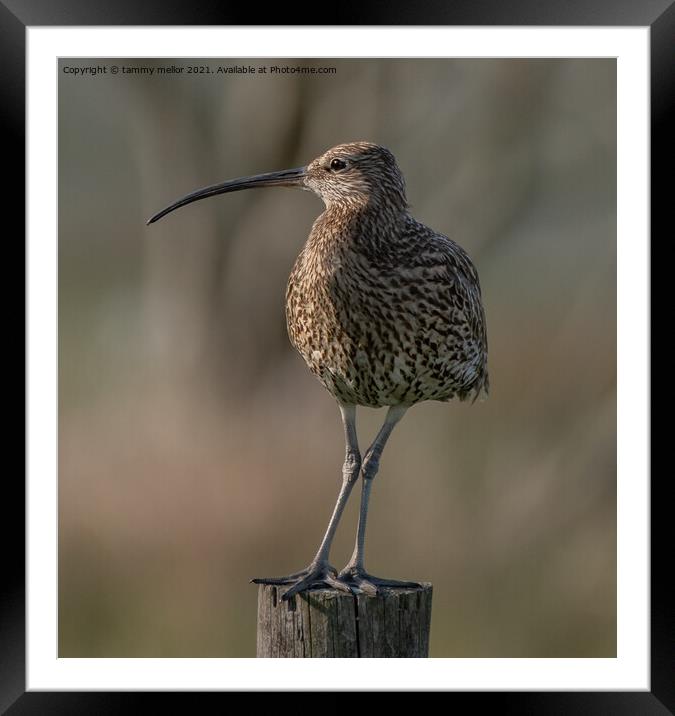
[(338, 164)]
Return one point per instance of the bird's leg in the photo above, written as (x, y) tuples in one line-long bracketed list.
[(319, 573), (354, 574)]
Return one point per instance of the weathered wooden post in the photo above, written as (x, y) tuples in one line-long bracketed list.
[(327, 623)]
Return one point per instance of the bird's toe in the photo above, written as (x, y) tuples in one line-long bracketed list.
[(360, 580), (288, 579), (318, 575)]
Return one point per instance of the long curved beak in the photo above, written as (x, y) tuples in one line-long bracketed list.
[(287, 177)]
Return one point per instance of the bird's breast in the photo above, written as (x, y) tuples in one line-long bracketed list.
[(381, 333)]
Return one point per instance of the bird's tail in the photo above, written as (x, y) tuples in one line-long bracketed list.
[(481, 388)]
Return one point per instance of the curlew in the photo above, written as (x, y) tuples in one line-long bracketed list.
[(384, 311)]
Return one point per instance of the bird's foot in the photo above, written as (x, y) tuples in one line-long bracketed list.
[(359, 580), (318, 575)]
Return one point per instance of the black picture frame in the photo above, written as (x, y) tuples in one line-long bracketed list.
[(17, 15)]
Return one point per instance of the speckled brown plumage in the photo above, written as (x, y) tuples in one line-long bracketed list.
[(384, 310)]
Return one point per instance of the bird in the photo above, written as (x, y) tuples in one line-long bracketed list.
[(385, 312)]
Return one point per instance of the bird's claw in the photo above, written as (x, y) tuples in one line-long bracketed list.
[(361, 582), (318, 575)]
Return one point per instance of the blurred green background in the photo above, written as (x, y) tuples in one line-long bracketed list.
[(196, 451)]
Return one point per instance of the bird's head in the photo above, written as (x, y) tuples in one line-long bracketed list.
[(354, 174), (357, 173)]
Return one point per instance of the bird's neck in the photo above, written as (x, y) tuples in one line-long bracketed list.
[(359, 225)]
